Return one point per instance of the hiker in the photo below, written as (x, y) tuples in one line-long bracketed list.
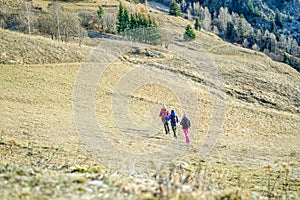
[(186, 124), (163, 115), (174, 120)]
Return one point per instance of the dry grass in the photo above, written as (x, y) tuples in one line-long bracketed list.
[(10, 3), (257, 153), (20, 48)]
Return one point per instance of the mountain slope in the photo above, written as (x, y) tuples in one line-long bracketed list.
[(41, 146), (20, 48)]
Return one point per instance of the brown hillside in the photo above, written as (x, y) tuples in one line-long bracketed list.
[(244, 134), (17, 48)]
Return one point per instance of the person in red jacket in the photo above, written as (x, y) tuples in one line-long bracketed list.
[(163, 115)]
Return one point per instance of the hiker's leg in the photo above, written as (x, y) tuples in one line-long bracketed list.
[(174, 131), (168, 127), (187, 139)]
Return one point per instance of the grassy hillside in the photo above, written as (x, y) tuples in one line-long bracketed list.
[(20, 48), (42, 155), (10, 3)]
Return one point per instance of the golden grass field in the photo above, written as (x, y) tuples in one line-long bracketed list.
[(43, 156)]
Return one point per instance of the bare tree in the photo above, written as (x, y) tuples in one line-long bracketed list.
[(295, 48), (196, 9), (108, 23), (4, 15), (206, 21), (26, 17), (46, 25), (223, 18), (255, 47), (70, 26), (56, 11), (183, 6), (59, 24), (215, 30)]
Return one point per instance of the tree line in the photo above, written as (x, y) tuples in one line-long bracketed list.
[(61, 24), (137, 26), (233, 21), (57, 23)]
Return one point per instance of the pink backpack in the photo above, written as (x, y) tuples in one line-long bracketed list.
[(163, 113)]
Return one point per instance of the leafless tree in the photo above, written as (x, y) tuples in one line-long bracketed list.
[(223, 18), (56, 11), (108, 23), (25, 17), (59, 24), (206, 21)]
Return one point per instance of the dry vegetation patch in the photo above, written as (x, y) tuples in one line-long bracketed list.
[(18, 48)]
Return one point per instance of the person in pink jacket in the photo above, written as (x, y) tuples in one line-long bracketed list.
[(163, 115), (186, 124)]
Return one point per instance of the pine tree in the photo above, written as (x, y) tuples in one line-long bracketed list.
[(120, 23), (250, 7), (100, 12), (138, 26), (189, 33), (278, 19), (174, 9), (197, 24), (273, 27), (126, 20), (235, 6), (289, 19), (230, 31)]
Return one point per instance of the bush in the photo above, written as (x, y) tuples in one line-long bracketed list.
[(174, 9), (189, 33)]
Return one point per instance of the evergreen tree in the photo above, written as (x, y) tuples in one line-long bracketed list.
[(133, 21), (278, 19), (289, 19), (189, 33), (126, 19), (230, 31), (273, 27), (235, 6), (197, 24), (142, 21), (138, 26), (174, 9), (100, 12), (250, 7), (120, 23)]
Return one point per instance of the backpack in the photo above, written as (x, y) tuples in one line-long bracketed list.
[(164, 113), (184, 122), (173, 119)]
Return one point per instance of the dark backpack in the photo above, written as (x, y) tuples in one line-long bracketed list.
[(184, 123), (173, 119)]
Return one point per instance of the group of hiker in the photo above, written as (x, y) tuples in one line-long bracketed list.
[(173, 118)]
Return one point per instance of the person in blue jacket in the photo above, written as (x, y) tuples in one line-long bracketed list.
[(174, 120)]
